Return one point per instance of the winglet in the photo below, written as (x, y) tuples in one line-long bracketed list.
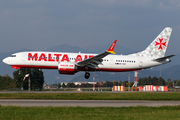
[(111, 49)]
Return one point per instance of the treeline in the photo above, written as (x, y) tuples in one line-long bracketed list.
[(37, 80), (36, 77), (7, 82), (151, 81), (141, 82), (98, 84), (157, 81)]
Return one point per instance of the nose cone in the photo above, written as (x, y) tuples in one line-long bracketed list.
[(6, 60)]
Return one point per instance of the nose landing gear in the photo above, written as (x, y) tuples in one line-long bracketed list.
[(87, 75)]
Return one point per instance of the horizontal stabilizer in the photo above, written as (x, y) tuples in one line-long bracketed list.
[(163, 58)]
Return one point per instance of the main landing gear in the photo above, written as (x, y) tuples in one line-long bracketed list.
[(87, 75)]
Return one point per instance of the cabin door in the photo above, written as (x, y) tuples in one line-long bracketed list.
[(112, 61), (23, 56)]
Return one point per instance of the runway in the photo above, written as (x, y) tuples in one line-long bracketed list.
[(85, 103)]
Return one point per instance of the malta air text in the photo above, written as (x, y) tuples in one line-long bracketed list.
[(56, 57)]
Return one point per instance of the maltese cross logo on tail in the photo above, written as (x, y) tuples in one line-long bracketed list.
[(160, 43)]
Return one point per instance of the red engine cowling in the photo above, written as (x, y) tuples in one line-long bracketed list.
[(67, 68)]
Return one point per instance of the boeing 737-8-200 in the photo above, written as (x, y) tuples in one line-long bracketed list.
[(70, 63)]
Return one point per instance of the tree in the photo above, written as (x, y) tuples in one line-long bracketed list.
[(169, 83), (108, 84), (83, 85), (125, 83), (161, 81), (89, 85), (7, 82), (115, 83), (141, 82), (36, 77), (71, 85), (149, 81), (63, 85), (59, 85), (155, 80), (178, 82)]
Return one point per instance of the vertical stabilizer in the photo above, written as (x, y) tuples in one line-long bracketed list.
[(157, 48)]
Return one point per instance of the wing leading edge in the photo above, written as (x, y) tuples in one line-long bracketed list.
[(93, 62)]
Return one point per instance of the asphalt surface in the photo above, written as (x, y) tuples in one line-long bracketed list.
[(81, 103), (85, 103)]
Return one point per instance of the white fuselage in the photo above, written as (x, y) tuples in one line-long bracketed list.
[(70, 63), (50, 60)]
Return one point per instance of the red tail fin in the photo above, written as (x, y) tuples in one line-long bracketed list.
[(111, 49)]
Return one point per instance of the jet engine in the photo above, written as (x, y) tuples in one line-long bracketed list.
[(67, 68)]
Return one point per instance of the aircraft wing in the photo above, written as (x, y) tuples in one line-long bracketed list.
[(93, 62), (163, 58)]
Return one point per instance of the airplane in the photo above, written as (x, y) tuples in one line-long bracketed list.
[(71, 63)]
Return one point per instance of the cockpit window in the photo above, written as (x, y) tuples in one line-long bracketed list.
[(13, 55)]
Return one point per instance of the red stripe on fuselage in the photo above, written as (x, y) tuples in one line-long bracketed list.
[(36, 66), (80, 69)]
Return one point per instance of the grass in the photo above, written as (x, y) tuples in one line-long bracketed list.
[(88, 113), (95, 96), (85, 113)]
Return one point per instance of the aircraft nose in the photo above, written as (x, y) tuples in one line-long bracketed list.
[(5, 60)]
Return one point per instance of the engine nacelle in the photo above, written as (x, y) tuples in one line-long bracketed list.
[(67, 68)]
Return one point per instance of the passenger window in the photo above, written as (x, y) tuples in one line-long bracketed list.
[(13, 55)]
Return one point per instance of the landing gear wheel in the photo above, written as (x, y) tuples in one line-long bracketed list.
[(87, 75)]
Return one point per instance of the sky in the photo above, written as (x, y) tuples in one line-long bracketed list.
[(42, 24)]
